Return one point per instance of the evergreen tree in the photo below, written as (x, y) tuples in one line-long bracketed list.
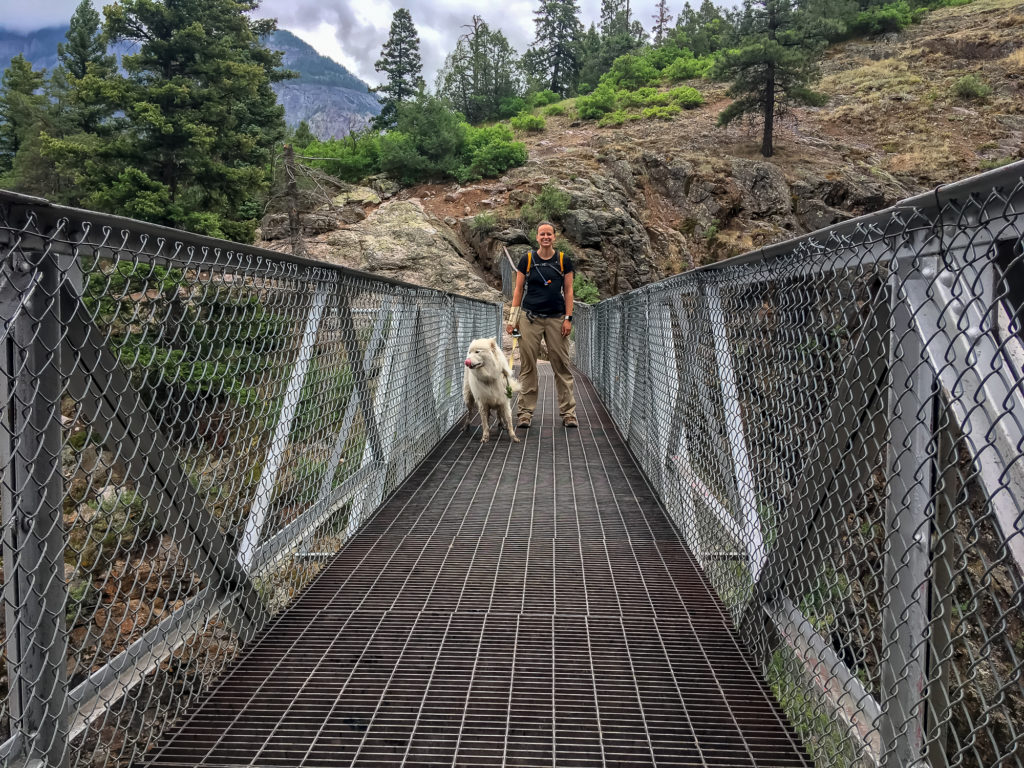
[(554, 59), (400, 61), (203, 118), (85, 44), (772, 68), (591, 61), (22, 108), (661, 21), (620, 32), (704, 31), (303, 136), (481, 73)]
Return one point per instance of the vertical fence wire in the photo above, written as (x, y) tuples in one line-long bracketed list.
[(191, 427), (836, 428)]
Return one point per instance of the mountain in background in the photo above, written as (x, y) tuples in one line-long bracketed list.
[(326, 95)]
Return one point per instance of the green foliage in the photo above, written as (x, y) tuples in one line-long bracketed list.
[(616, 118), (891, 17), (972, 87), (554, 110), (400, 62), (583, 289), (598, 103), (661, 113), (642, 97), (512, 106), (553, 62), (550, 204), (496, 157), (687, 67), (545, 97), (772, 69), (527, 122), (352, 158), (203, 118), (481, 75), (631, 72), (483, 223), (686, 97), (22, 106), (303, 136), (428, 143)]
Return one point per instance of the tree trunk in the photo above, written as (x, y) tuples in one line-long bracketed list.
[(769, 113)]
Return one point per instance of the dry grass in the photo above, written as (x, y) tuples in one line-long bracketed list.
[(876, 78), (1015, 61)]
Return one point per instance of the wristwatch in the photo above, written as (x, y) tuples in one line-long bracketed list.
[(568, 317)]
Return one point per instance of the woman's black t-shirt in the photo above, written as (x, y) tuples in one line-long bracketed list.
[(544, 285)]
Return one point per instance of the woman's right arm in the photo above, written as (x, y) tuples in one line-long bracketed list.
[(517, 300)]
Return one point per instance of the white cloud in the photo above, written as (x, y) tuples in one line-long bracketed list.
[(352, 32)]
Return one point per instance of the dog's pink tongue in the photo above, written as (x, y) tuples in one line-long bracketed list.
[(469, 363)]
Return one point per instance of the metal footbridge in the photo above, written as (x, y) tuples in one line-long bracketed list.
[(241, 524)]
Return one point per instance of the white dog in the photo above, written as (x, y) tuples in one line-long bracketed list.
[(487, 382)]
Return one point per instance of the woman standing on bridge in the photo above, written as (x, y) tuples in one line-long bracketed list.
[(545, 277)]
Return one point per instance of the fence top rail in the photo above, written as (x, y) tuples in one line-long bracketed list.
[(877, 223), (51, 214)]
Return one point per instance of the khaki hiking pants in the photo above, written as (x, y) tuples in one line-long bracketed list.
[(550, 330)]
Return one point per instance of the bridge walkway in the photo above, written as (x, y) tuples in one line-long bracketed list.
[(511, 604)]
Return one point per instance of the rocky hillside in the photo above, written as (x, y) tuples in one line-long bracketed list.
[(654, 197)]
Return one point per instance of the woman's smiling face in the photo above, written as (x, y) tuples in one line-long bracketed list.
[(545, 235)]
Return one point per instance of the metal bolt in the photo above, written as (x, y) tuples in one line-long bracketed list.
[(947, 278), (24, 266), (956, 307)]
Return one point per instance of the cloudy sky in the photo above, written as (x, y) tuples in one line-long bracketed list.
[(352, 31)]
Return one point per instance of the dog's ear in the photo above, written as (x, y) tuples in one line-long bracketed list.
[(494, 343)]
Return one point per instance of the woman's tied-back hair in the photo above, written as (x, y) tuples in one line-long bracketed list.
[(546, 223)]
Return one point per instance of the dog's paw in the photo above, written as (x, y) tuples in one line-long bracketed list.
[(485, 439), (513, 436)]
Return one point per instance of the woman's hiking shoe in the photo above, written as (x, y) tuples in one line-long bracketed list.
[(570, 422)]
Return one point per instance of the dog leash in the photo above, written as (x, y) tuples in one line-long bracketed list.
[(511, 361)]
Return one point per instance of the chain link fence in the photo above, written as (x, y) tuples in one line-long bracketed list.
[(835, 424), (191, 427)]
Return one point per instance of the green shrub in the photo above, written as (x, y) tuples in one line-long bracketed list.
[(687, 67), (616, 118), (496, 157), (661, 113), (525, 121), (972, 87), (483, 223), (512, 106), (352, 158), (642, 97), (584, 290), (891, 17), (631, 72), (686, 97), (601, 101), (554, 110), (545, 97), (551, 203)]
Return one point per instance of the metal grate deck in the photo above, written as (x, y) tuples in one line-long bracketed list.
[(521, 605)]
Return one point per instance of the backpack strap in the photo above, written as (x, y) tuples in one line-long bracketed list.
[(529, 261), (561, 262)]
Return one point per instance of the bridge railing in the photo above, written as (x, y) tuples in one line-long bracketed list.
[(835, 424), (190, 428)]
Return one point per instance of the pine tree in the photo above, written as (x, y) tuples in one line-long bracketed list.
[(22, 108), (85, 44), (554, 59), (591, 62), (481, 73), (772, 69), (400, 61), (661, 22), (620, 32), (203, 118)]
